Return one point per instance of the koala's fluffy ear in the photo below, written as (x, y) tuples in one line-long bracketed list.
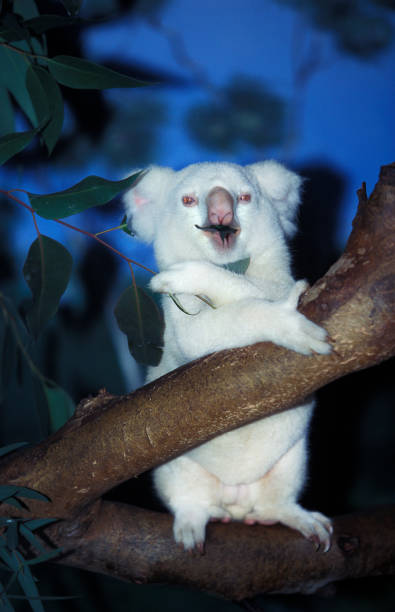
[(144, 200), (283, 188)]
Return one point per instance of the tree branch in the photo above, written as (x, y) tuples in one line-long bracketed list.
[(112, 439), (240, 560)]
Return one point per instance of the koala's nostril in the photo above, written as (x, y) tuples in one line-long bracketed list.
[(216, 218), (219, 206)]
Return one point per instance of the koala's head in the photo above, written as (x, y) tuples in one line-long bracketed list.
[(220, 212)]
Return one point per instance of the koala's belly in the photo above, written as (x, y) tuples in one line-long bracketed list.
[(248, 453)]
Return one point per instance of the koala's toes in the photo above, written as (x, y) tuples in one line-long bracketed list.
[(190, 533), (313, 525), (322, 348), (176, 279), (317, 338), (295, 293), (319, 531), (161, 283)]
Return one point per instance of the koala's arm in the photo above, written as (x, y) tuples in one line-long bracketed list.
[(245, 322), (221, 286)]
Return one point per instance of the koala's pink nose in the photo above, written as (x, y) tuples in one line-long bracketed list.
[(219, 207)]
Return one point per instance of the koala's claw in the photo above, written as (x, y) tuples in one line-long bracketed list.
[(304, 336), (318, 529), (295, 293), (189, 529)]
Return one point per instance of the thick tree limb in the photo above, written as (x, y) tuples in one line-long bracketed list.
[(112, 439), (240, 560)]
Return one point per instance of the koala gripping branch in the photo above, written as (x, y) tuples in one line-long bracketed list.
[(355, 299), (112, 439)]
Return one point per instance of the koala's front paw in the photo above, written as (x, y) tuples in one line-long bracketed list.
[(164, 282), (304, 336), (185, 277), (300, 334)]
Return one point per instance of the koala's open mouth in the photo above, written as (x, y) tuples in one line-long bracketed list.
[(224, 235)]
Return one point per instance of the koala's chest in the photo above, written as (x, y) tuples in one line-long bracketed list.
[(182, 320)]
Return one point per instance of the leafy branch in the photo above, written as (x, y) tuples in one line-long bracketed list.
[(48, 215), (18, 540)]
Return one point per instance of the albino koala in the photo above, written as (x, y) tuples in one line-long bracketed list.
[(199, 219)]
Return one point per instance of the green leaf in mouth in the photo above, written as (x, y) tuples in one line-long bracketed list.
[(223, 230), (240, 266)]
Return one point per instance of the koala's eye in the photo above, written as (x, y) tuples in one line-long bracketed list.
[(188, 200), (245, 197)]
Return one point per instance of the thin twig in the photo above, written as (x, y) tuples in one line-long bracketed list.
[(76, 229)]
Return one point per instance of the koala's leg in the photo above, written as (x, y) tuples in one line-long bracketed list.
[(193, 496), (274, 499)]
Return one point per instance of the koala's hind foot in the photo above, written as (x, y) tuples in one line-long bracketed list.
[(313, 525), (273, 499), (189, 528), (192, 494)]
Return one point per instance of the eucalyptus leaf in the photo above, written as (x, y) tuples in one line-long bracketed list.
[(31, 537), (140, 319), (4, 601), (33, 524), (11, 30), (43, 23), (91, 191), (239, 267), (52, 105), (7, 491), (9, 559), (37, 94), (11, 144), (72, 6), (47, 271), (79, 73), (26, 8), (12, 536), (7, 123), (4, 450), (10, 34), (4, 521), (46, 556), (16, 504), (60, 406), (8, 356), (28, 584), (13, 68), (125, 227), (25, 492), (40, 403)]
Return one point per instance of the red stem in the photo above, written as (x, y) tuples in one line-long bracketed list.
[(77, 229)]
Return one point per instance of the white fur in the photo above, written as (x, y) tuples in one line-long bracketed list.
[(254, 473)]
